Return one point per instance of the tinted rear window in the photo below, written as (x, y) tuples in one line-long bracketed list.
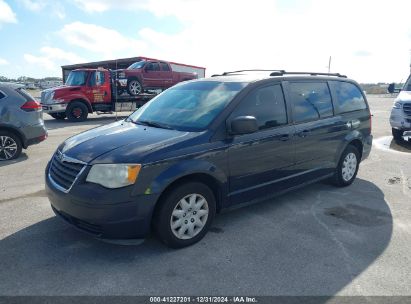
[(349, 97), (25, 94), (311, 101)]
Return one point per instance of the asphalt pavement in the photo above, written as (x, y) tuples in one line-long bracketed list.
[(319, 240)]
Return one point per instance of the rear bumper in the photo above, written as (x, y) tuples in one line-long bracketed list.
[(34, 134), (126, 217), (367, 144), (54, 108)]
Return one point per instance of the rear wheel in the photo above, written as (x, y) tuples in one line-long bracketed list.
[(58, 116), (134, 87), (397, 134), (347, 168), (185, 215), (77, 111), (10, 146)]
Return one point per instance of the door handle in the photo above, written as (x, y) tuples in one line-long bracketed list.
[(304, 133), (284, 137)]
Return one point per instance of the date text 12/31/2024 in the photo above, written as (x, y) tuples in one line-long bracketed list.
[(203, 300)]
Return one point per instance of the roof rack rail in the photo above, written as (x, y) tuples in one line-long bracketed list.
[(281, 73), (252, 70)]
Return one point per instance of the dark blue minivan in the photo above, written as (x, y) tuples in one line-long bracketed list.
[(209, 144)]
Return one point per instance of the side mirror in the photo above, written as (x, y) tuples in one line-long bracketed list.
[(243, 125)]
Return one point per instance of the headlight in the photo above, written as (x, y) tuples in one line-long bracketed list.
[(114, 175), (397, 105)]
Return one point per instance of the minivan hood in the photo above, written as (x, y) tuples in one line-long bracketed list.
[(89, 145), (404, 96)]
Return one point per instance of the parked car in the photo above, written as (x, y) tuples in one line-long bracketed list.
[(400, 118), (21, 121), (152, 74), (205, 145)]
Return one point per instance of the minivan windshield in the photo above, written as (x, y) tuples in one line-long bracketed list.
[(136, 65), (76, 78), (190, 106), (407, 85)]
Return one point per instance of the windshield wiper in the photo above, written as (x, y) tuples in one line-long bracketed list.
[(152, 124)]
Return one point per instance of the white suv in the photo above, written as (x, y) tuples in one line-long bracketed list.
[(400, 118)]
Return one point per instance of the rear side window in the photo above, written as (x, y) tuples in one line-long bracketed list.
[(266, 105), (25, 94), (349, 97), (311, 100), (164, 66), (153, 66)]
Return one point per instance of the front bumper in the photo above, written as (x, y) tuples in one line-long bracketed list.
[(122, 82), (103, 213), (398, 120), (54, 108)]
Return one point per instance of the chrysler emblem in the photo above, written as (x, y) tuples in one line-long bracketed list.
[(60, 156)]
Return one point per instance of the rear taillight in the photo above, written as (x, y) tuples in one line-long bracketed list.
[(31, 106)]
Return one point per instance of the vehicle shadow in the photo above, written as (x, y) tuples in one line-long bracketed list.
[(23, 157), (53, 124), (403, 145), (314, 241)]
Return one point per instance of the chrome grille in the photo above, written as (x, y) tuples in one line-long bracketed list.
[(46, 96), (407, 108), (64, 171)]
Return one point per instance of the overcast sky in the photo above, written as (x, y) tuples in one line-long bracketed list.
[(369, 41)]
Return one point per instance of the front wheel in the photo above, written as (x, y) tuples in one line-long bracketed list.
[(134, 87), (397, 134), (77, 111), (347, 168), (185, 215)]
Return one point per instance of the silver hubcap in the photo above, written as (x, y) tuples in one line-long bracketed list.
[(189, 216), (349, 166), (8, 147), (135, 87)]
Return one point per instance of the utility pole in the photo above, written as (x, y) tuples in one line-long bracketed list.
[(329, 65)]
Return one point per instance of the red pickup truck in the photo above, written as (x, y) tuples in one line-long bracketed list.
[(87, 91), (153, 74)]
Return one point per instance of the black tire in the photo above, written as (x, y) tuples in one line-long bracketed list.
[(162, 220), (77, 111), (397, 134), (58, 116), (341, 180), (8, 140), (134, 87)]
